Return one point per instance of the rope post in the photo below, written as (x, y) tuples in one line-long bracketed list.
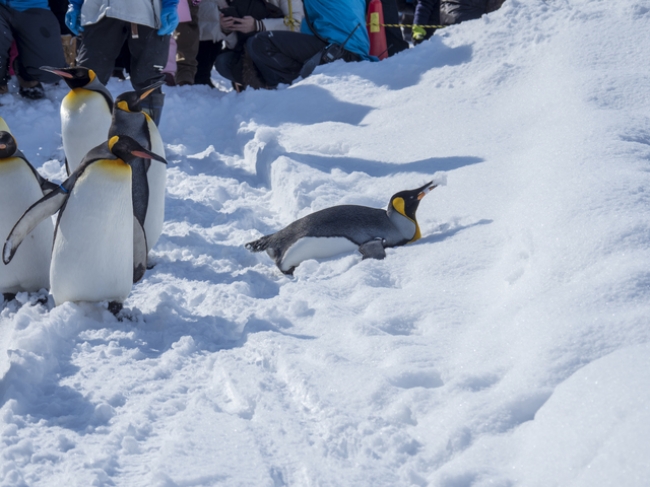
[(376, 30)]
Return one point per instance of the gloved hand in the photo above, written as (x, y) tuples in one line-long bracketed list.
[(73, 18), (168, 20), (418, 33)]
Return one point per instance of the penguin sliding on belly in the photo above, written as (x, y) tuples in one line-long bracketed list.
[(92, 257), (344, 228), (20, 187), (85, 113), (129, 119)]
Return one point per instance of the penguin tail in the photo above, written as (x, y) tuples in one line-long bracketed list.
[(260, 244)]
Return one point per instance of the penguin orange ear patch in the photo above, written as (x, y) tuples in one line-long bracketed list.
[(112, 141), (122, 105)]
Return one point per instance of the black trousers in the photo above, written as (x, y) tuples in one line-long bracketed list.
[(279, 55), (394, 40), (38, 37), (101, 44)]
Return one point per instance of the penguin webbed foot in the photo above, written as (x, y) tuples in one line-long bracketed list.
[(115, 307), (288, 272), (374, 249)]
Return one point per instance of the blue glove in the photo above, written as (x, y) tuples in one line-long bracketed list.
[(168, 20), (73, 18)]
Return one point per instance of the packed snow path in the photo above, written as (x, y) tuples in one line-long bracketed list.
[(508, 347)]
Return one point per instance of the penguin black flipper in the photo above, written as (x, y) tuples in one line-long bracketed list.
[(139, 189), (139, 251), (374, 249), (35, 214)]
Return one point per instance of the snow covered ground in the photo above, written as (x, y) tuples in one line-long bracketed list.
[(508, 347)]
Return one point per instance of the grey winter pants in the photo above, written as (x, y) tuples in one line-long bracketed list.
[(101, 44)]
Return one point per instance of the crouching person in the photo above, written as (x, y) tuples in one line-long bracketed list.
[(242, 19), (331, 30)]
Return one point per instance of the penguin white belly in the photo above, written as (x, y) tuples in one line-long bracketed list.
[(157, 180), (92, 258), (85, 120), (30, 267), (315, 248)]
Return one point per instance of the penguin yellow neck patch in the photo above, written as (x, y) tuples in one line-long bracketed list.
[(400, 206), (418, 234)]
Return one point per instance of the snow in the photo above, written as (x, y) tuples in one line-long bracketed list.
[(507, 347)]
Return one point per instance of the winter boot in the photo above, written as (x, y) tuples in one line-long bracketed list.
[(153, 106), (69, 44)]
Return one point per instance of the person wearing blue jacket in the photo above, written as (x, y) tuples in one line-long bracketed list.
[(145, 25), (281, 57), (38, 39)]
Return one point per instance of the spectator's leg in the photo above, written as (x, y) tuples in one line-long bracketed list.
[(6, 39), (205, 59), (122, 62), (394, 39), (101, 44), (427, 12), (39, 44), (225, 64), (148, 57), (59, 8), (280, 55), (187, 48)]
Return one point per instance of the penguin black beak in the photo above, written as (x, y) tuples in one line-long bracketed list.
[(56, 71), (424, 190), (150, 89)]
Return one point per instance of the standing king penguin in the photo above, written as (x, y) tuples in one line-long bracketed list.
[(20, 187), (92, 258), (344, 228), (148, 200), (85, 113)]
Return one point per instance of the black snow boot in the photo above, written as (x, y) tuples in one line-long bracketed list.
[(153, 106)]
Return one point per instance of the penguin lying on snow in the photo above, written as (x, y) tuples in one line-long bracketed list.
[(85, 113), (20, 187), (93, 253), (343, 228)]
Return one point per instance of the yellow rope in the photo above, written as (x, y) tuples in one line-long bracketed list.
[(411, 25)]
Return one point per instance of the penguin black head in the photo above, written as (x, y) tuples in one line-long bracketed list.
[(130, 101), (127, 149), (75, 77), (8, 146), (406, 202)]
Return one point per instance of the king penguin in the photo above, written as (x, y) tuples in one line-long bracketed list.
[(92, 256), (344, 228), (149, 200), (85, 113), (20, 187)]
